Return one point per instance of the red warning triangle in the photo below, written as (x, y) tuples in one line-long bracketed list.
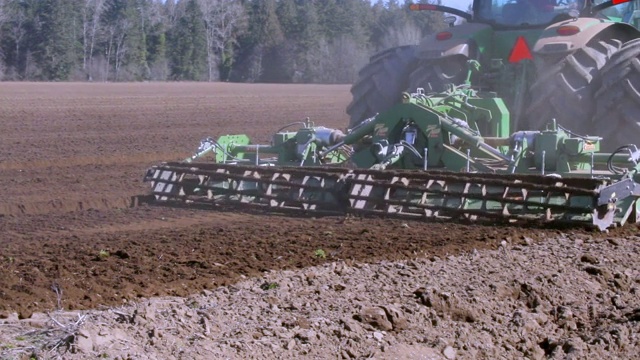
[(520, 51)]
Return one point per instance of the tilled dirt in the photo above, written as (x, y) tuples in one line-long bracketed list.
[(75, 235), (67, 147), (149, 251), (570, 296)]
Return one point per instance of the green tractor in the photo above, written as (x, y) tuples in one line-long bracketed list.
[(577, 62), (446, 148)]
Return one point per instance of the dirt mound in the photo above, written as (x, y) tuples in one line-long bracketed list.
[(110, 257), (564, 297)]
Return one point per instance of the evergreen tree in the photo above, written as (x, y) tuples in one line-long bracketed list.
[(260, 43), (286, 63), (114, 30), (158, 24), (188, 51), (309, 41), (58, 47), (157, 50), (239, 40), (136, 39), (288, 17)]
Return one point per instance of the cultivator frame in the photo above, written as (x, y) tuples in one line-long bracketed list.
[(552, 176), (408, 194)]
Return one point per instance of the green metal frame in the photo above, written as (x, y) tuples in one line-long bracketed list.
[(424, 157)]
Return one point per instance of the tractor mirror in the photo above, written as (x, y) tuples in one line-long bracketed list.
[(450, 20)]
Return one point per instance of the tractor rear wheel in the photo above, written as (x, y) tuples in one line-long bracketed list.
[(563, 89), (617, 117), (381, 82)]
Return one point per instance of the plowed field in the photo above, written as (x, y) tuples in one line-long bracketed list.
[(72, 157)]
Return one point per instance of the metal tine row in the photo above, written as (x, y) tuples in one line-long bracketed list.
[(408, 194)]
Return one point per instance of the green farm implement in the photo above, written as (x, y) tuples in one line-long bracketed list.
[(424, 157)]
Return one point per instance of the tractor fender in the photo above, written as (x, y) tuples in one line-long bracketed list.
[(550, 42), (461, 42)]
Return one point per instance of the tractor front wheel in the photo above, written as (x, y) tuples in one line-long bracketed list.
[(381, 82), (617, 116)]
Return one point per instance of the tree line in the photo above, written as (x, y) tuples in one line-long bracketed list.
[(324, 41)]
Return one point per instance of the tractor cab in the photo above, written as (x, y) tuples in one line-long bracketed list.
[(525, 13), (540, 13)]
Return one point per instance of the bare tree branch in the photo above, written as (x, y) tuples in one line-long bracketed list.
[(91, 14), (224, 20)]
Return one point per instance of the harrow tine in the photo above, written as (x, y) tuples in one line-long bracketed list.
[(410, 194)]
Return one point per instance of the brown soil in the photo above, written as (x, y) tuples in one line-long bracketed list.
[(74, 158)]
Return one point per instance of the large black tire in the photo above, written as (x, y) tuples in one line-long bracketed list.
[(563, 89), (435, 75), (381, 82), (617, 116)]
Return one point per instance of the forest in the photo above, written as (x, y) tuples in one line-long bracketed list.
[(283, 41)]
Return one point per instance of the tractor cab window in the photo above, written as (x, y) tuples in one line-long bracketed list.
[(523, 12), (625, 12)]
